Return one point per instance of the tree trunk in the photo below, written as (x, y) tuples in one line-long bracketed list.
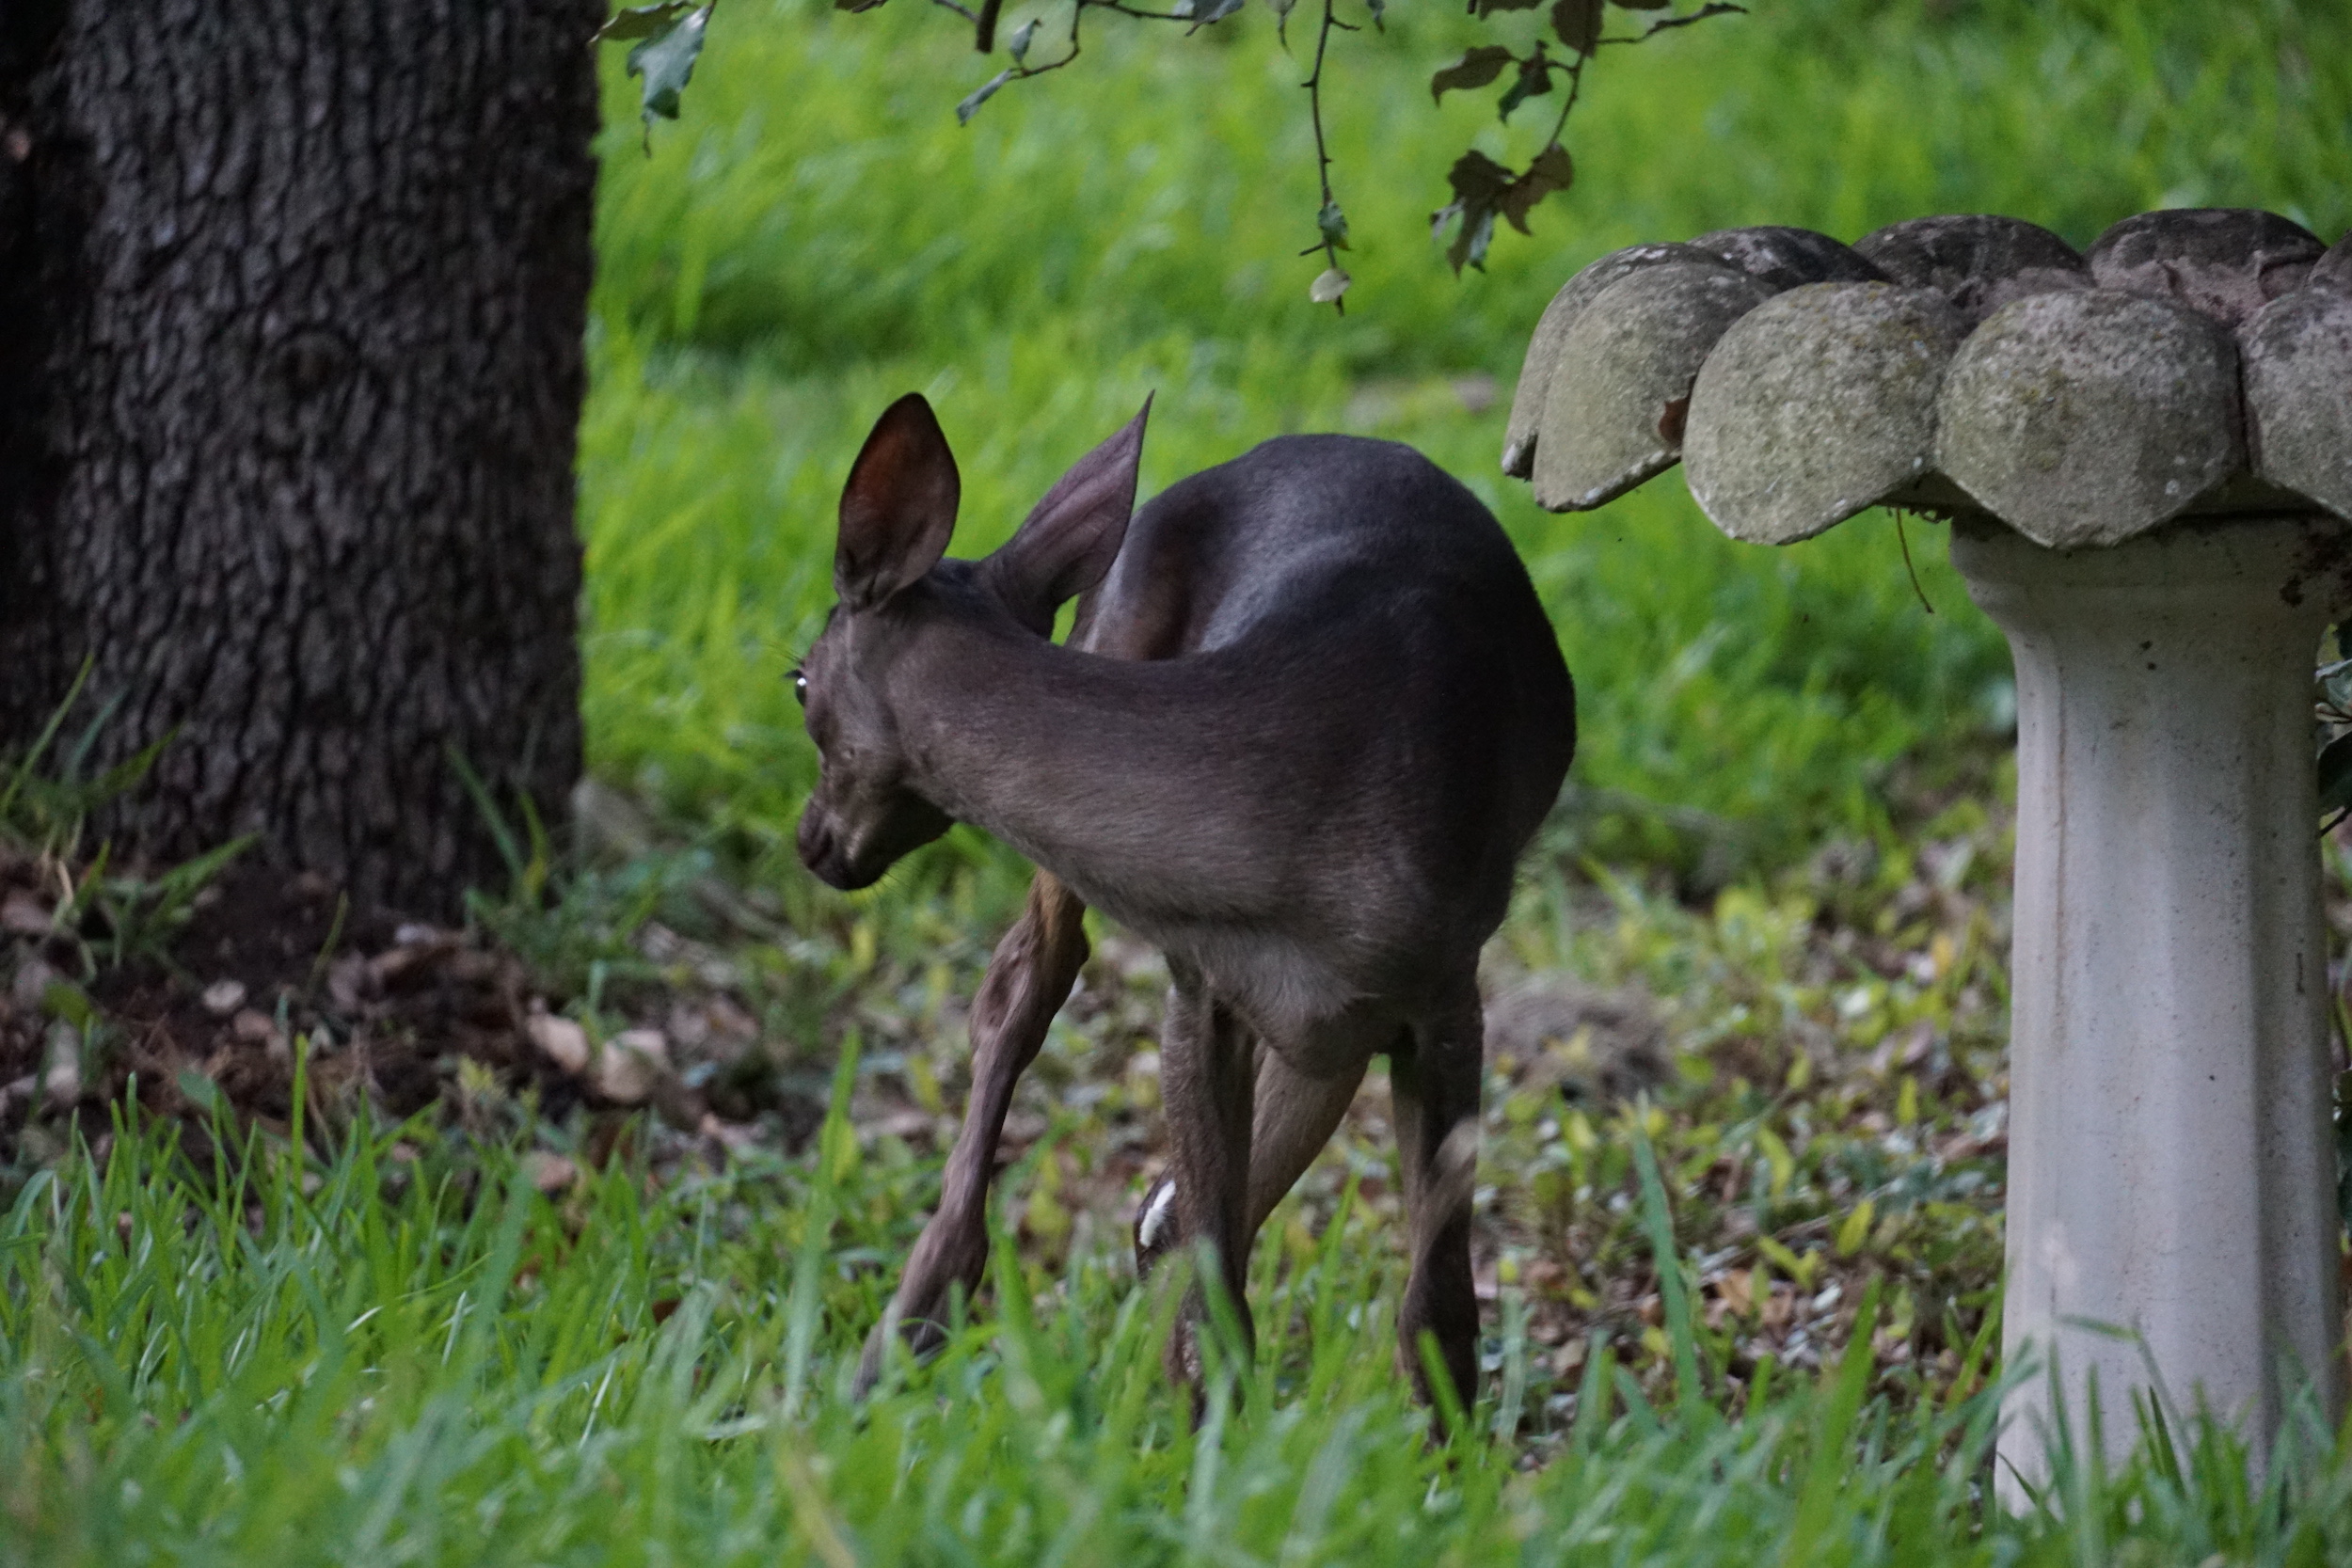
[(291, 295)]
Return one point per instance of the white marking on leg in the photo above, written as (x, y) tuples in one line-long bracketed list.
[(1454, 1181), (1155, 1216)]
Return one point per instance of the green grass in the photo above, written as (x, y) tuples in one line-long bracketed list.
[(403, 1352), (818, 235), (356, 1345)]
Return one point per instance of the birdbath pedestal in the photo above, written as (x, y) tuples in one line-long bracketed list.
[(2145, 453)]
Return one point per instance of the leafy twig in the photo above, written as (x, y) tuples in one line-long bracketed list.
[(1330, 285), (1664, 23), (1485, 190), (1017, 45), (669, 38), (1904, 540), (1576, 90)]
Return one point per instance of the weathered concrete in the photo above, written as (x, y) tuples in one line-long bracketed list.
[(1542, 361), (1978, 261), (2225, 262), (2170, 1168), (1817, 405), (2333, 270), (2086, 417), (1786, 258), (2297, 355), (2140, 498), (1615, 414)]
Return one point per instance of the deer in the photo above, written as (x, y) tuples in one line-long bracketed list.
[(1307, 716)]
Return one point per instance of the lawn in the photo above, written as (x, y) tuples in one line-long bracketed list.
[(409, 1353), (1738, 1229)]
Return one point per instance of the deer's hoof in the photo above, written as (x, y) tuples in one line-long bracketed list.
[(922, 1336), (869, 1364)]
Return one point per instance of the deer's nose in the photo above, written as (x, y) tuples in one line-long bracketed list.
[(820, 847)]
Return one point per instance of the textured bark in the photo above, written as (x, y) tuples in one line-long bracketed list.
[(290, 376)]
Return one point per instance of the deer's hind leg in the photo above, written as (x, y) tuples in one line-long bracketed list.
[(1208, 1076), (1029, 976), (1433, 1078), (1292, 1118)]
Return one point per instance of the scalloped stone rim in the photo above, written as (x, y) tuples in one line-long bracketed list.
[(2097, 399)]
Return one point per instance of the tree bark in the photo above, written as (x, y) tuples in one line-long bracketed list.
[(292, 296)]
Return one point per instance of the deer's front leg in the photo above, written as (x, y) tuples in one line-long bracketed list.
[(1029, 976), (1434, 1079), (1207, 1083)]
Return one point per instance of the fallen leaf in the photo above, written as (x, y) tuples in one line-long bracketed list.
[(61, 1078), (24, 915), (349, 979), (630, 1065), (560, 1040), (33, 980), (550, 1172), (650, 1043)]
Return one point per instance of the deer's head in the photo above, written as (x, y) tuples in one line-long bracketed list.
[(858, 684)]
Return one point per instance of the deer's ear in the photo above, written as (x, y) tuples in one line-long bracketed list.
[(1068, 543), (899, 508)]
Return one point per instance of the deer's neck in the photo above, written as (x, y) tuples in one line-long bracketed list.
[(1120, 777)]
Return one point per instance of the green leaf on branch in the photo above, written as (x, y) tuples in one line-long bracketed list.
[(1477, 180), (2335, 682), (1017, 41), (1484, 190), (1551, 172), (666, 61), (1577, 24), (1470, 246), (1475, 68), (982, 94), (2335, 775), (1332, 224), (1203, 12), (1478, 183), (1534, 80), (637, 22)]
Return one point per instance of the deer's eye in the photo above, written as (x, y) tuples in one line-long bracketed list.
[(800, 685)]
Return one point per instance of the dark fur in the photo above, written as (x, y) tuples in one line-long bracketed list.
[(1305, 724)]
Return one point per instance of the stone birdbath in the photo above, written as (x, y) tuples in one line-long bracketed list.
[(2145, 453)]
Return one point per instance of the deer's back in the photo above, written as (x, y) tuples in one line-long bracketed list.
[(1404, 687), (1301, 537)]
